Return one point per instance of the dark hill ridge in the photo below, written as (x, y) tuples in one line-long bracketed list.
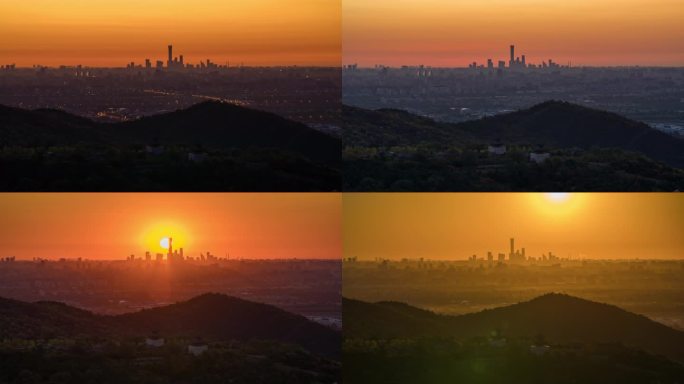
[(221, 125), (213, 125), (210, 316), (553, 124), (560, 318)]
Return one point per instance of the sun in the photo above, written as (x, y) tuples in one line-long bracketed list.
[(558, 205), (557, 197), (164, 243)]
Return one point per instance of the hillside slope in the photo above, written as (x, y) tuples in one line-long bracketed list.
[(559, 318), (211, 316), (553, 124), (213, 125)]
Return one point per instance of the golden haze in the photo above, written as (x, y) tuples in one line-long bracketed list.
[(456, 226), (113, 33), (456, 33), (113, 226)]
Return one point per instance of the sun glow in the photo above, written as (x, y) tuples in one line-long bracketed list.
[(558, 197), (155, 238), (558, 204)]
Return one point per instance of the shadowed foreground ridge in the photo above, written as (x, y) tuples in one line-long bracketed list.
[(591, 150), (552, 124), (210, 124), (213, 317), (559, 318), (241, 149)]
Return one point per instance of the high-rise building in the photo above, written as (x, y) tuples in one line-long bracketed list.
[(511, 63), (169, 255), (170, 61), (511, 255)]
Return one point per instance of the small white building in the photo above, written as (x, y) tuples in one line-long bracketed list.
[(197, 348), (539, 156), (154, 341), (497, 149)]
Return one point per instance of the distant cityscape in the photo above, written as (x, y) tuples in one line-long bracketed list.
[(514, 62), (310, 95), (516, 255), (176, 63), (653, 95), (172, 63), (307, 287), (176, 255)]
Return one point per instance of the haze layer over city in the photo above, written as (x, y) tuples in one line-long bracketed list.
[(461, 253), (507, 55), (123, 60), (115, 253)]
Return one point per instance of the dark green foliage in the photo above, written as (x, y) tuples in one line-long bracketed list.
[(560, 318), (129, 169), (128, 361), (390, 150), (592, 170), (443, 360)]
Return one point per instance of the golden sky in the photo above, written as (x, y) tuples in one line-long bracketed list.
[(113, 226), (458, 225), (458, 32), (116, 32)]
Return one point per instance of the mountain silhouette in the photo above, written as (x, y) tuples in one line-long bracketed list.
[(559, 318), (553, 124), (213, 125), (209, 316)]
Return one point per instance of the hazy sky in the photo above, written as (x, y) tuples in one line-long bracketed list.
[(457, 32), (458, 225), (113, 226), (116, 32)]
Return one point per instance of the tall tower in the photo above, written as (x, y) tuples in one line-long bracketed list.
[(512, 61), (510, 255), (170, 62), (169, 256)]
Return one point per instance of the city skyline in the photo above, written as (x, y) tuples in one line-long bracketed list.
[(440, 33), (114, 226), (458, 226), (110, 34)]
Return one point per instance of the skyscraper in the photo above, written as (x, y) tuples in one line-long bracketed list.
[(170, 62), (511, 63), (511, 255), (169, 256)]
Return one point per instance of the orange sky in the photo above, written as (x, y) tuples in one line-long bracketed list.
[(113, 226), (455, 33), (458, 225), (113, 33)]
